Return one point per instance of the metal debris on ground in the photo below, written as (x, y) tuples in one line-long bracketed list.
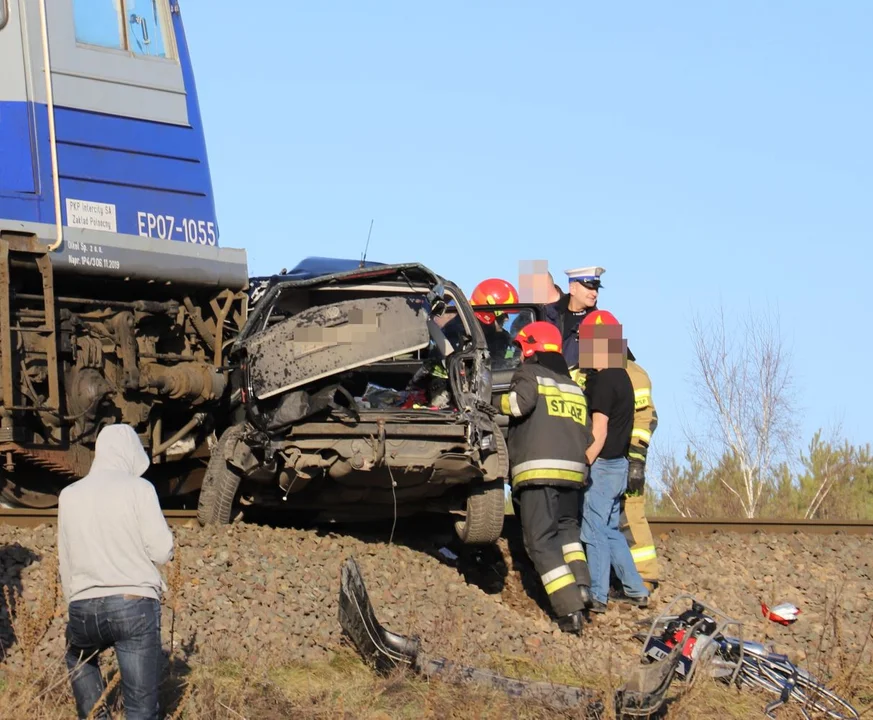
[(641, 696), (699, 636)]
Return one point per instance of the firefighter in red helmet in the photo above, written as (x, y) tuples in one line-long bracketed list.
[(548, 437), (495, 291)]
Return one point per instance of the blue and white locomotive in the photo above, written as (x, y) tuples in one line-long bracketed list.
[(117, 303)]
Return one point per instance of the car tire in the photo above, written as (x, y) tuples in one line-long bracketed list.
[(485, 511), (221, 483)]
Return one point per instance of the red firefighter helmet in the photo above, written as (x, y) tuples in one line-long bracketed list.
[(539, 336), (597, 317), (493, 291)]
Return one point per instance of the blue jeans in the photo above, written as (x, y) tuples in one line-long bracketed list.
[(605, 546), (132, 625)]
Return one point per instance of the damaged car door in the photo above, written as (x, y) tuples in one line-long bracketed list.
[(505, 355)]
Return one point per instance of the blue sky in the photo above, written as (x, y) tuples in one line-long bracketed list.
[(703, 153)]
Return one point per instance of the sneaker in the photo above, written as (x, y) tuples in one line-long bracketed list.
[(572, 623), (585, 592), (640, 602), (597, 607)]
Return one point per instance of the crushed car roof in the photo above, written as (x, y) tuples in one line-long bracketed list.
[(317, 270), (313, 267)]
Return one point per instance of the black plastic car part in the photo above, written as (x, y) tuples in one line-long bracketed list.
[(642, 696)]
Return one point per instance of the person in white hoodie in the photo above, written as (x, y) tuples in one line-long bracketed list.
[(111, 536)]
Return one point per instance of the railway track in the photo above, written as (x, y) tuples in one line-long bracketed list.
[(22, 517), (690, 526)]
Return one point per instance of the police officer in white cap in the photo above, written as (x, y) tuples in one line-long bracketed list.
[(573, 307)]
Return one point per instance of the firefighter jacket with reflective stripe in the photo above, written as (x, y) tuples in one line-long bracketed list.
[(645, 415), (548, 431)]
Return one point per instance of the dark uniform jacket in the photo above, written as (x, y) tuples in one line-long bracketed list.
[(548, 432), (558, 313), (553, 310)]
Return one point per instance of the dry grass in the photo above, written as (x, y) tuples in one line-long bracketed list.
[(31, 624), (344, 687), (708, 698), (25, 688), (104, 696)]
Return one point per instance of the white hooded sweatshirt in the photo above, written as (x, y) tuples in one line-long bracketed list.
[(111, 531)]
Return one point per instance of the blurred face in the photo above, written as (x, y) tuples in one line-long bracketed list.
[(584, 296), (541, 288), (602, 346), (533, 279)]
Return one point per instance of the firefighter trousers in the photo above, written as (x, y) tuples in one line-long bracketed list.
[(550, 528), (635, 528)]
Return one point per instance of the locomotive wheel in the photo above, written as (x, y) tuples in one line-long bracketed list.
[(37, 493), (221, 483)]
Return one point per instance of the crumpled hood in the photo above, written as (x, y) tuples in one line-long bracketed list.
[(119, 449)]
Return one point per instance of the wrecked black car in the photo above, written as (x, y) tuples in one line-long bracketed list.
[(353, 404)]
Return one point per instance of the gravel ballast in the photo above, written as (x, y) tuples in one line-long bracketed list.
[(249, 592)]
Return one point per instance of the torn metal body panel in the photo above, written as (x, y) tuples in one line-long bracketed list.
[(332, 339), (267, 291), (403, 298), (641, 696)]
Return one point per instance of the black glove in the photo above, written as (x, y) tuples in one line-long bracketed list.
[(636, 477)]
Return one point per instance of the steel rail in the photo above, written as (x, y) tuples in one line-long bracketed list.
[(26, 517), (691, 526)]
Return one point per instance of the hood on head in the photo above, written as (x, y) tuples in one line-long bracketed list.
[(119, 449)]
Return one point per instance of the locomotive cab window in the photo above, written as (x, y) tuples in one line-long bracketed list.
[(141, 27)]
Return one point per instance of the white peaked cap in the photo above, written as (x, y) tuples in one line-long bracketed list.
[(585, 274)]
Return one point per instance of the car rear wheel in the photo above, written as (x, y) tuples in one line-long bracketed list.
[(485, 510), (221, 484)]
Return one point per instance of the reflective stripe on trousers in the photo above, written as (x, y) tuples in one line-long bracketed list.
[(636, 530), (549, 523), (573, 551), (643, 553), (558, 578), (642, 435)]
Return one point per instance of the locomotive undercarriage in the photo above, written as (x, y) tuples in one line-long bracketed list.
[(78, 353)]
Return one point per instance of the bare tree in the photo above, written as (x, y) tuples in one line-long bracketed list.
[(832, 473), (829, 465), (743, 389)]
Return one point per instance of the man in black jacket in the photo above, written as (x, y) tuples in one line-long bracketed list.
[(548, 437), (570, 309)]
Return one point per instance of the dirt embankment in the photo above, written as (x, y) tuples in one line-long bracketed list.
[(247, 592)]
